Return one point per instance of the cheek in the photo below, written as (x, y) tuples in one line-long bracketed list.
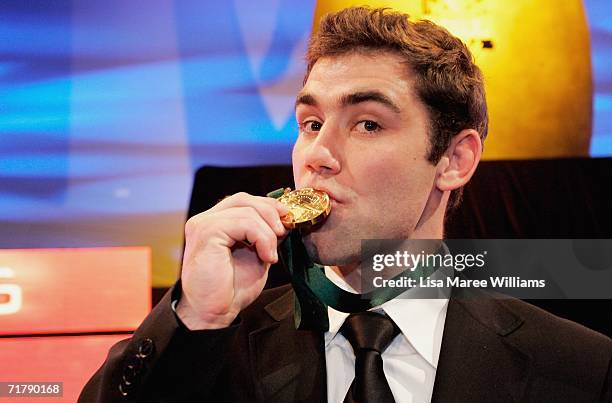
[(298, 164), (399, 182), (377, 173)]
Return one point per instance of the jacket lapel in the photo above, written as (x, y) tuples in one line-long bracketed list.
[(288, 364), (477, 361)]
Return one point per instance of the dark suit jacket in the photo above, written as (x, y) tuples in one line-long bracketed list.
[(493, 350)]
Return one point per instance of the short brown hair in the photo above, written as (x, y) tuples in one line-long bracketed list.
[(447, 81)]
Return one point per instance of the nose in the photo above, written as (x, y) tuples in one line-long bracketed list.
[(321, 155)]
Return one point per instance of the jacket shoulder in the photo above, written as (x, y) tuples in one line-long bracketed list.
[(545, 325), (561, 358), (559, 345)]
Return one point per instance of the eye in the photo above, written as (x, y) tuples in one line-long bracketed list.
[(310, 126), (367, 126)]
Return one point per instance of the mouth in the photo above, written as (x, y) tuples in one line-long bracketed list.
[(332, 197)]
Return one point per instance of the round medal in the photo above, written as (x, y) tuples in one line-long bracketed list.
[(307, 207)]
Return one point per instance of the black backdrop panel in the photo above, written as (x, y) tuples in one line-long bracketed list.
[(557, 198), (212, 184)]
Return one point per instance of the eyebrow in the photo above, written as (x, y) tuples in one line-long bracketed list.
[(352, 99), (305, 99)]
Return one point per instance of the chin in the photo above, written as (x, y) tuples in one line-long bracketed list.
[(328, 251)]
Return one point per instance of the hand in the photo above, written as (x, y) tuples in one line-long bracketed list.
[(228, 251)]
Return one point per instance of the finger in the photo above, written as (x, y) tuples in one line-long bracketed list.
[(253, 229), (243, 199), (271, 210), (262, 238)]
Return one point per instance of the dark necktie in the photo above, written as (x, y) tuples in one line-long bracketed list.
[(369, 334)]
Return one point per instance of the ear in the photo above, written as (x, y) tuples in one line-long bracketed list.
[(460, 160)]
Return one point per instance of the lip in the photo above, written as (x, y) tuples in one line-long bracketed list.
[(331, 194)]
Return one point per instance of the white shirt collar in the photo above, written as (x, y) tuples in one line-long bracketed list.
[(416, 318)]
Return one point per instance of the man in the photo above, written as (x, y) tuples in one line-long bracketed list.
[(391, 120)]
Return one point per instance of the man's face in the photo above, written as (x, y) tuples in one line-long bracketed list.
[(364, 139)]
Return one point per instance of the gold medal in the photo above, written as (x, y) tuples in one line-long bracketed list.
[(307, 207)]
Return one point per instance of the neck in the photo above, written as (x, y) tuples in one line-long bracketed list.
[(404, 255), (429, 226), (351, 274)]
